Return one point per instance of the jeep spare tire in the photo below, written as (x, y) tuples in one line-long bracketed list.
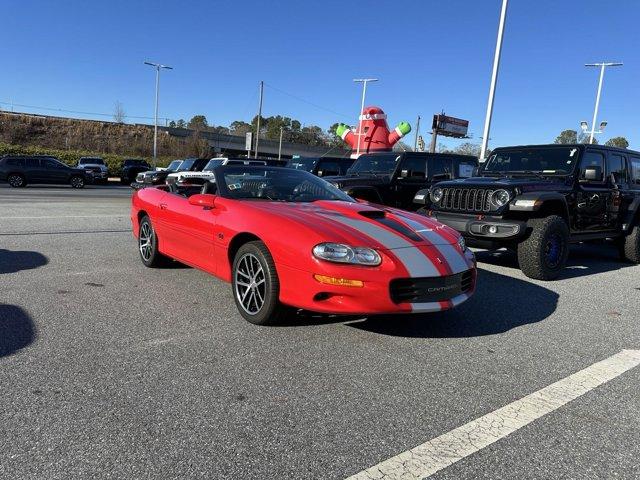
[(544, 253)]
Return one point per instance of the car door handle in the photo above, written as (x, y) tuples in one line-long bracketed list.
[(163, 206)]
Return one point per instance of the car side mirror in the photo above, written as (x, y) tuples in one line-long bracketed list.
[(205, 200), (593, 174)]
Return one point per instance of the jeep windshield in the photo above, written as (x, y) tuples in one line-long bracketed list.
[(535, 161), (381, 164)]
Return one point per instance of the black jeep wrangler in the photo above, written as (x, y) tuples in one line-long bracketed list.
[(393, 178), (538, 199)]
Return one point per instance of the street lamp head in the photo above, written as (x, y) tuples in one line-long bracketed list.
[(361, 80), (603, 125), (604, 64), (584, 126), (158, 65)]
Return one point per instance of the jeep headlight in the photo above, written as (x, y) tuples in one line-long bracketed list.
[(340, 253), (500, 197), (436, 195)]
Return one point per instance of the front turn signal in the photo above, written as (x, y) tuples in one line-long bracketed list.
[(341, 282)]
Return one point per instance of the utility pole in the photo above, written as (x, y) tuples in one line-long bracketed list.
[(364, 82), (157, 66), (415, 143), (602, 66), (494, 80), (280, 145), (258, 122), (434, 138)]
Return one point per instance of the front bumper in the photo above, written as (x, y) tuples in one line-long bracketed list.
[(482, 227), (300, 289)]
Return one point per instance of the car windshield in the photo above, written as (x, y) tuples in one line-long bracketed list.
[(91, 161), (173, 166), (549, 160), (302, 163), (186, 164), (377, 163), (213, 163), (278, 184)]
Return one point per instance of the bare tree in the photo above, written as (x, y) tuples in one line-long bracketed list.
[(118, 113)]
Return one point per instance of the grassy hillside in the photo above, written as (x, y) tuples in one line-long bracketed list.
[(71, 138)]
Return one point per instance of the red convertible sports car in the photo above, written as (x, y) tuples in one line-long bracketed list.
[(286, 238)]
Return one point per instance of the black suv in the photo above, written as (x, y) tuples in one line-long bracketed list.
[(393, 178), (19, 170), (131, 167), (538, 199), (321, 166)]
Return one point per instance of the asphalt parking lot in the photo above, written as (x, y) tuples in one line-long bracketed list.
[(112, 370)]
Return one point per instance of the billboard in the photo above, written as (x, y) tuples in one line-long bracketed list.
[(450, 126)]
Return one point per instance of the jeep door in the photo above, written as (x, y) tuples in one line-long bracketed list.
[(410, 176), (593, 195), (621, 196)]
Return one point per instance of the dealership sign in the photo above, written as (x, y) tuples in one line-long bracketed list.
[(450, 126)]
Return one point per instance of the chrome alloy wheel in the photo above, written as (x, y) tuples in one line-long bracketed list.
[(145, 241), (250, 284)]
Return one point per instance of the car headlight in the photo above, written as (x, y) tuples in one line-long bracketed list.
[(340, 253), (501, 197), (436, 195), (461, 243)]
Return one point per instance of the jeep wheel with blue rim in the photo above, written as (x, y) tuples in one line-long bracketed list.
[(544, 253)]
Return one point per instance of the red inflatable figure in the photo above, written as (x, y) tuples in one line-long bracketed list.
[(375, 135)]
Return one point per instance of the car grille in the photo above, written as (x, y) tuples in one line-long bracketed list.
[(430, 289), (466, 199)]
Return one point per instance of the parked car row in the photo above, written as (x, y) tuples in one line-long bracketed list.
[(21, 170)]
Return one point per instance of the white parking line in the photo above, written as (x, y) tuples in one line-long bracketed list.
[(65, 216), (434, 455)]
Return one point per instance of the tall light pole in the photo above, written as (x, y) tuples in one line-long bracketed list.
[(157, 66), (415, 143), (364, 82), (602, 66), (494, 80), (258, 120)]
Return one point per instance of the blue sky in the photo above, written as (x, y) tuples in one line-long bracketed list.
[(429, 55)]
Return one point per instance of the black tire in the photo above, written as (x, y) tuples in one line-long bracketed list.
[(254, 257), (630, 246), (77, 181), (16, 180), (544, 254), (148, 244)]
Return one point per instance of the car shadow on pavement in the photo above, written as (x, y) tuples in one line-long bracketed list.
[(17, 330), (500, 304), (584, 259), (14, 261)]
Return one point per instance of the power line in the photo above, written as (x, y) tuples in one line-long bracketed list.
[(77, 112), (307, 101)]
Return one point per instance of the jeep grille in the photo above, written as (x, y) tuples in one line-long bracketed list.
[(466, 199)]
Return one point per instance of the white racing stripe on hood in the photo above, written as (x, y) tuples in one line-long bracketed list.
[(456, 259), (416, 262)]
